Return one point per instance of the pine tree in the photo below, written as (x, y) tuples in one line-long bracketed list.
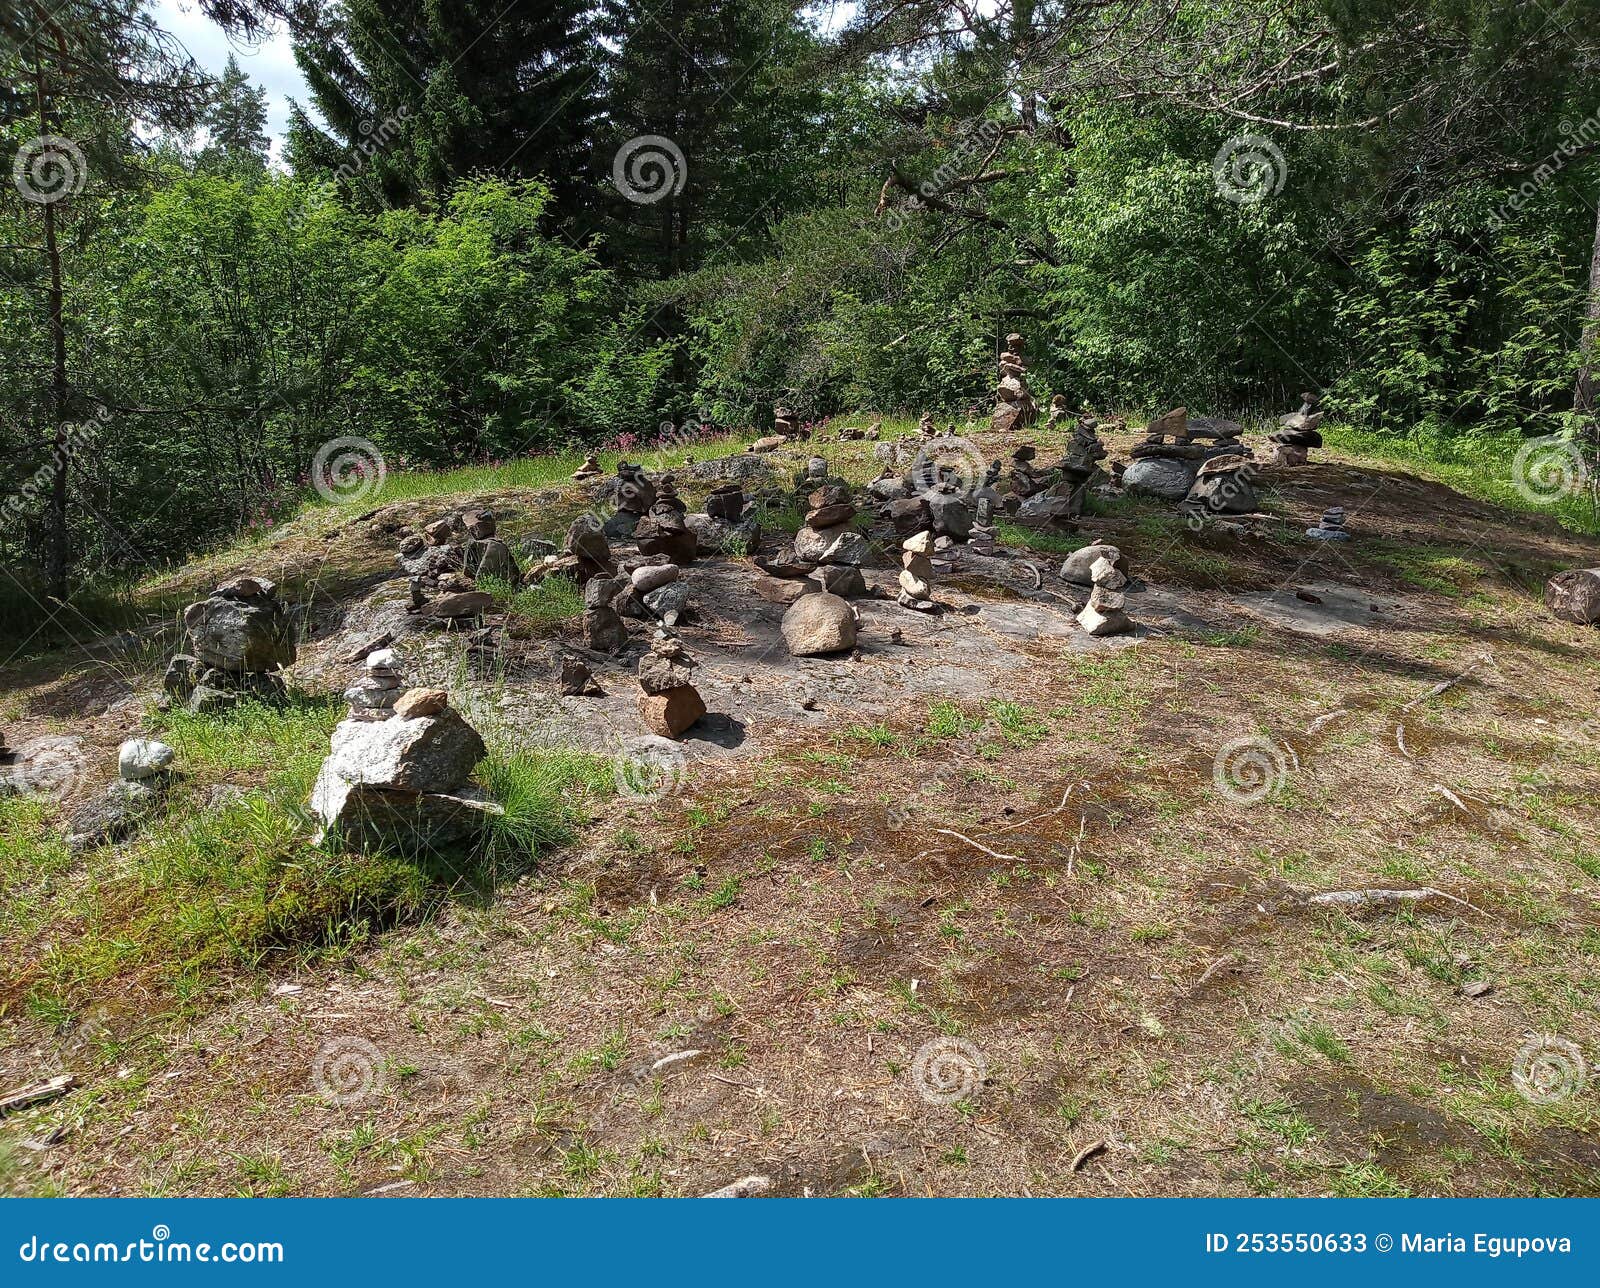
[(237, 121)]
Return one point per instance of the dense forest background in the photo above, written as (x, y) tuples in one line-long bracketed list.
[(500, 226)]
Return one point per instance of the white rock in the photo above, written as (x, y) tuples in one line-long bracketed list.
[(143, 758)]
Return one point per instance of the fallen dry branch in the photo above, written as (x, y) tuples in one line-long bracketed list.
[(1379, 898), (746, 1187), (1085, 1154), (994, 854), (23, 1097), (1483, 659)]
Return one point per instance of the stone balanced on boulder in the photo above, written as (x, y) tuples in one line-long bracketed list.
[(239, 636), (402, 780), (916, 573), (664, 530), (1168, 470), (668, 701), (1297, 434), (1105, 614), (1014, 406), (826, 536)]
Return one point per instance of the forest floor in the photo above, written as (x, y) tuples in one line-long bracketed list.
[(980, 911)]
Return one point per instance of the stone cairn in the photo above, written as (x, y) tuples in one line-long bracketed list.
[(239, 637), (982, 540), (1025, 479), (634, 494), (784, 422), (144, 776), (1168, 470), (1104, 568), (668, 701), (665, 530), (1297, 434), (916, 573), (399, 775), (1081, 465), (826, 536), (1331, 528), (925, 426), (1014, 405), (373, 694)]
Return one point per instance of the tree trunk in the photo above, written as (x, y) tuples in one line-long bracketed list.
[(58, 558), (1584, 391)]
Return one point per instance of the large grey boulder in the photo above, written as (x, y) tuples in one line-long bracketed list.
[(427, 754), (241, 627), (837, 545), (820, 623), (1159, 476)]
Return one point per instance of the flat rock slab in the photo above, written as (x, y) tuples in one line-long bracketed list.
[(1341, 609)]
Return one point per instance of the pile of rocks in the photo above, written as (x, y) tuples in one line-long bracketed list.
[(1082, 462), (239, 637), (668, 701), (1224, 485), (401, 778), (925, 426), (665, 530), (982, 540), (1331, 527), (1025, 480), (784, 422), (1014, 406), (1298, 433), (633, 494), (373, 694), (144, 775), (1105, 568), (1168, 470), (916, 573), (826, 536), (445, 560)]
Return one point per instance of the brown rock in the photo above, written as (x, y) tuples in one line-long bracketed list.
[(776, 590), (421, 702), (817, 624), (671, 714)]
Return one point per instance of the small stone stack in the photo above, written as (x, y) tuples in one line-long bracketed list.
[(433, 554), (402, 780), (633, 494), (240, 635), (590, 469), (925, 426), (668, 701), (1105, 613), (826, 536), (373, 694), (1058, 411), (1298, 433), (1332, 526), (484, 554), (586, 550), (1168, 470), (981, 540), (665, 530), (726, 502), (603, 630), (1081, 464), (144, 776), (784, 422), (1014, 405), (1027, 481), (916, 573)]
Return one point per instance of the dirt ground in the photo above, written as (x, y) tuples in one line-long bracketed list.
[(988, 908)]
